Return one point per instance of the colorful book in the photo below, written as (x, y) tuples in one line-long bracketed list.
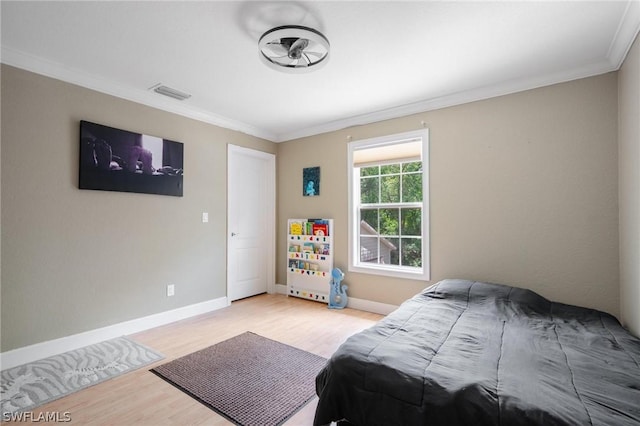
[(295, 228), (320, 229)]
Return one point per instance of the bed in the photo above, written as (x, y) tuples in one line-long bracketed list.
[(473, 353)]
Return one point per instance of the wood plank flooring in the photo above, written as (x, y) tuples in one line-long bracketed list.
[(142, 398)]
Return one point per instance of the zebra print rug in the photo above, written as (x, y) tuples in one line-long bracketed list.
[(30, 385)]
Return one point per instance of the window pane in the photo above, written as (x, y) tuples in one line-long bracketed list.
[(369, 189), (383, 251), (389, 222), (368, 249), (415, 166), (411, 249), (390, 189), (411, 222), (389, 169), (369, 171), (392, 257), (412, 188), (370, 216)]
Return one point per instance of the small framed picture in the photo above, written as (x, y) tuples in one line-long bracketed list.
[(311, 181)]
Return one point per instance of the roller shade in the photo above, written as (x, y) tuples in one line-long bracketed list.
[(389, 153)]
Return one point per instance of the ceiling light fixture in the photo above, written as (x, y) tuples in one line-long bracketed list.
[(294, 48)]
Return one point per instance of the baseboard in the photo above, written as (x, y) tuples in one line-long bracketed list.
[(41, 350), (371, 306), (359, 304)]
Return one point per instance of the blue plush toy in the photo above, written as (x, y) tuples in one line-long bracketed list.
[(337, 293)]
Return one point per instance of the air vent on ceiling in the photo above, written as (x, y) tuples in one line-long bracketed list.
[(172, 93)]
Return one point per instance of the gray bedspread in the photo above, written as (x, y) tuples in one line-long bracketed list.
[(472, 353)]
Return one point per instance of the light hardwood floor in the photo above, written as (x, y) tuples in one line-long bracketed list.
[(142, 398)]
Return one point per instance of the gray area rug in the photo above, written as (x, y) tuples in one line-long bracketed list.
[(249, 379), (30, 385)]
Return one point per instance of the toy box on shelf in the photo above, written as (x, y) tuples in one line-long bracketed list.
[(309, 258)]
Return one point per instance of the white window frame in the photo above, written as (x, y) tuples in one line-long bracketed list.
[(355, 265)]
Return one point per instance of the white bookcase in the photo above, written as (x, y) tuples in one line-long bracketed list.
[(309, 258)]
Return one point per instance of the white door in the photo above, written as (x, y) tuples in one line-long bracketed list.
[(250, 222)]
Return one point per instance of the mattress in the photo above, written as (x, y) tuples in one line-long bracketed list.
[(473, 353)]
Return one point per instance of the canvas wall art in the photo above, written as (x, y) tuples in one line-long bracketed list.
[(311, 181), (119, 160)]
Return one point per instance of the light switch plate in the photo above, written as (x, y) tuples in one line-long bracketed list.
[(205, 217)]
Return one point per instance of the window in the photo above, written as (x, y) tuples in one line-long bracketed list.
[(389, 205)]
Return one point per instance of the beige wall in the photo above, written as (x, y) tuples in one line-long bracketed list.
[(629, 188), (523, 191), (75, 260)]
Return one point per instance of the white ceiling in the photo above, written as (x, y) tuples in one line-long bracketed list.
[(388, 58)]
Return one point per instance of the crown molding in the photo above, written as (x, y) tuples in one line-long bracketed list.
[(473, 95), (626, 33), (58, 71)]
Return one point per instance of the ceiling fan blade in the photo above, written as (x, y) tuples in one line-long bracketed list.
[(316, 54), (276, 48), (315, 46), (299, 44), (280, 59)]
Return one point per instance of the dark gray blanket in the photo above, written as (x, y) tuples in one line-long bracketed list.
[(471, 353)]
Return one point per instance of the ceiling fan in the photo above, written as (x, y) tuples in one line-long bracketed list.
[(293, 48)]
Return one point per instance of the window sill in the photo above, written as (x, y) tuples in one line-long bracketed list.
[(388, 272)]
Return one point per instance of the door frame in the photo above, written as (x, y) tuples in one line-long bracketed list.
[(270, 212)]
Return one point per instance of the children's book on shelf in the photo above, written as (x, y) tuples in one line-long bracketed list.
[(320, 229), (295, 228)]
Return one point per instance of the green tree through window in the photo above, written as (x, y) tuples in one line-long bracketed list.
[(386, 192), (389, 205)]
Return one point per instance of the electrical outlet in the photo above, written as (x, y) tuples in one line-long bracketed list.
[(171, 290)]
